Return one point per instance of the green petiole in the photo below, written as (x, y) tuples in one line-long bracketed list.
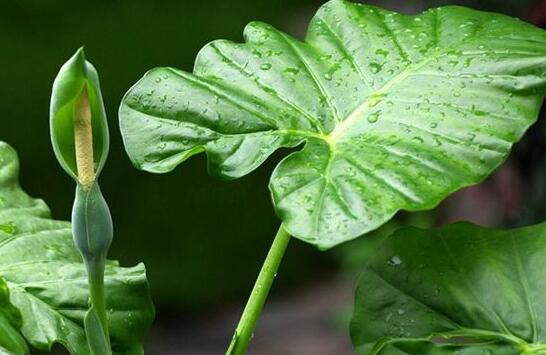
[(245, 328)]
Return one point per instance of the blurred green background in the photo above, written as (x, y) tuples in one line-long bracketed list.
[(202, 240)]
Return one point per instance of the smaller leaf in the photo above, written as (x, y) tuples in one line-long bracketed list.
[(77, 88), (47, 280), (459, 289)]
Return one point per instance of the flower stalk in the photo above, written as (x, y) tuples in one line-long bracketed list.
[(79, 134)]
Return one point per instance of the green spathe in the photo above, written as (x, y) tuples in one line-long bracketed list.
[(47, 280), (395, 112), (75, 75), (458, 289)]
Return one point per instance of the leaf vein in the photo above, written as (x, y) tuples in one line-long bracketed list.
[(403, 52), (313, 76), (218, 90), (347, 56), (270, 90)]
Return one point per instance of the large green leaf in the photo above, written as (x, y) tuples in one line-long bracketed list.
[(460, 289), (47, 280), (396, 111)]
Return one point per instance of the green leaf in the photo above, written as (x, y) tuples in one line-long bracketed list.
[(396, 111), (460, 289), (11, 340), (75, 76), (47, 280)]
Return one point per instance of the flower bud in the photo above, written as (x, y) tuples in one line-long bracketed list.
[(79, 131)]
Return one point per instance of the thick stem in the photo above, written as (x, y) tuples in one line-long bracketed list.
[(95, 274), (245, 328)]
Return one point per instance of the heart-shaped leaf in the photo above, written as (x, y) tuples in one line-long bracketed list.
[(396, 111), (47, 281), (461, 289)]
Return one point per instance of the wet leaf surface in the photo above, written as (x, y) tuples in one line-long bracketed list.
[(396, 112), (460, 289)]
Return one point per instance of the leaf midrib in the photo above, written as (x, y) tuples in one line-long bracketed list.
[(477, 333)]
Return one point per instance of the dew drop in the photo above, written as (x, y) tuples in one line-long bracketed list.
[(418, 140), (382, 52), (292, 71), (375, 67), (8, 228), (394, 260), (325, 57), (373, 117)]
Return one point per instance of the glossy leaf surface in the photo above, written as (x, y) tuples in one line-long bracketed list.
[(461, 289), (396, 112), (47, 281)]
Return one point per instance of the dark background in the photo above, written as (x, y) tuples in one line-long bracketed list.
[(204, 240)]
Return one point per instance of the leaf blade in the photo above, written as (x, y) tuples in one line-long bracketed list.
[(455, 288), (396, 112)]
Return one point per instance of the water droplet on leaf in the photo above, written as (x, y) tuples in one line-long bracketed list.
[(394, 260), (373, 117), (8, 228), (375, 67)]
